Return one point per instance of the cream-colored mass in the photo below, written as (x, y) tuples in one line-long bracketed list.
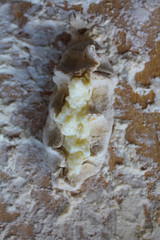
[(74, 121)]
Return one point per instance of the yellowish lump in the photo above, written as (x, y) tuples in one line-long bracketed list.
[(74, 121)]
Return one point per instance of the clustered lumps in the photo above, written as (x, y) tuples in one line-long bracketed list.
[(74, 122)]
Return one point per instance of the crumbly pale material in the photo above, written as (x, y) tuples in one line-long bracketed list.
[(74, 121), (111, 191)]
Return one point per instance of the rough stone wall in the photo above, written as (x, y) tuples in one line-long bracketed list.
[(120, 202)]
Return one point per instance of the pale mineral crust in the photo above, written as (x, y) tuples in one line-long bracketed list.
[(122, 200)]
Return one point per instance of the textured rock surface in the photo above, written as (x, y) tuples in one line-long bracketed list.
[(122, 201)]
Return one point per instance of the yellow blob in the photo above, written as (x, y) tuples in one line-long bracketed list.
[(74, 121)]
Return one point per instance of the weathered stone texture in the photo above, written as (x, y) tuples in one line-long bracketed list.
[(122, 201)]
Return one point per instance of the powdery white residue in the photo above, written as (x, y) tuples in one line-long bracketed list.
[(141, 15), (155, 86)]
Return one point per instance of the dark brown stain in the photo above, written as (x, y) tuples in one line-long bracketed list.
[(113, 158), (123, 45), (152, 68), (18, 10), (6, 216), (63, 37)]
